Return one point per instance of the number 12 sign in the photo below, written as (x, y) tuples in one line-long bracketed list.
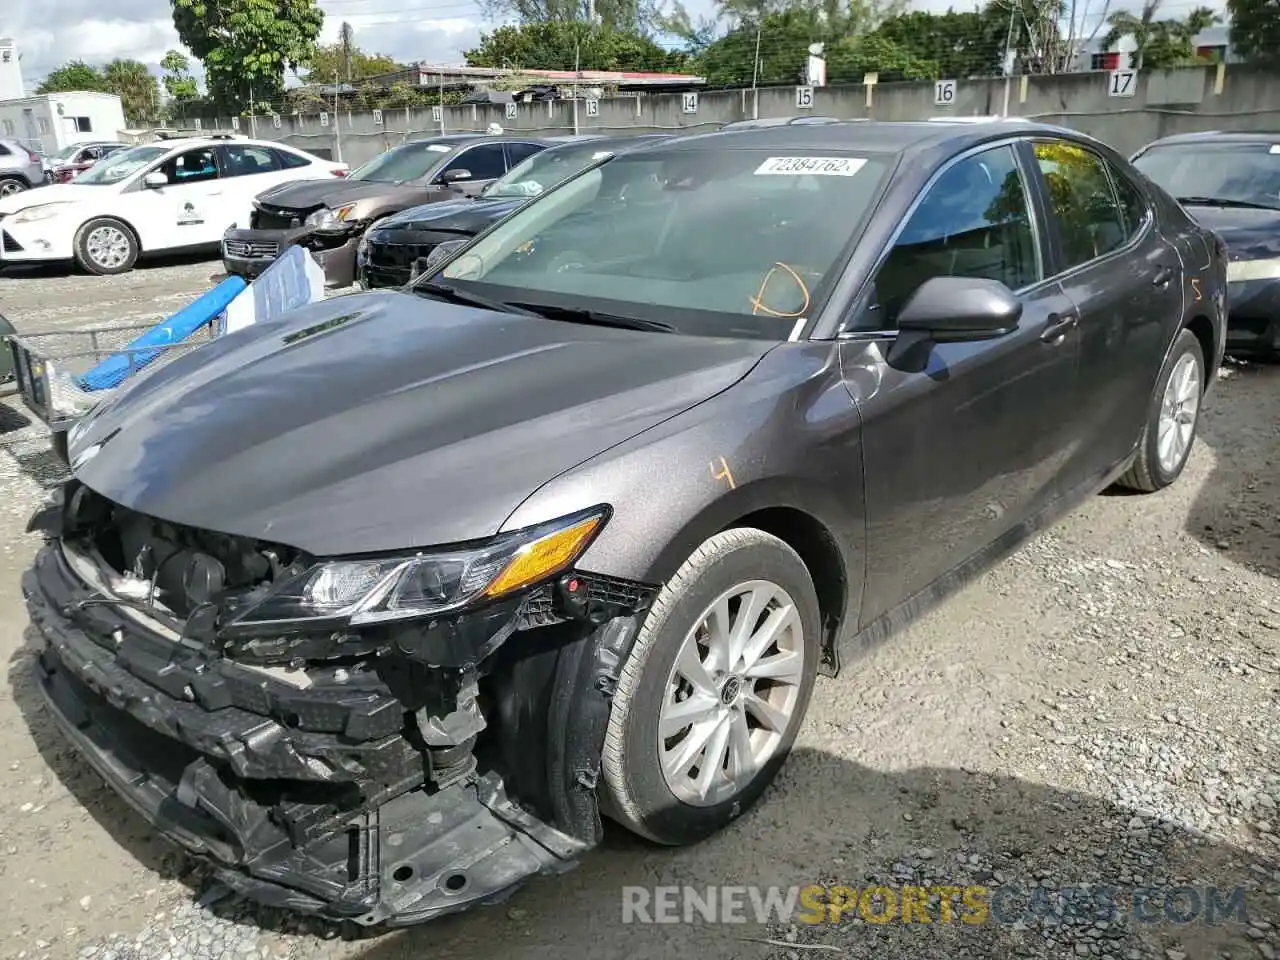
[(1123, 83)]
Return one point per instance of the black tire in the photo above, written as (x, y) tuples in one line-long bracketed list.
[(634, 790), (1147, 474), (12, 185), (108, 268)]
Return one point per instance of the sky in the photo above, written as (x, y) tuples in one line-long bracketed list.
[(436, 31)]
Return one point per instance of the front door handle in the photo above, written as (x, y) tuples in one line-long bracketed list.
[(1060, 324), (1162, 278)]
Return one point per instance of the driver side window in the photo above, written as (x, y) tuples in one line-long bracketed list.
[(193, 166), (973, 222)]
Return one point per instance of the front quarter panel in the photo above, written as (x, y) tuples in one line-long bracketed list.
[(786, 436)]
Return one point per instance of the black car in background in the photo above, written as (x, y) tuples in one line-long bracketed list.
[(381, 607), (389, 250), (1230, 182), (329, 217)]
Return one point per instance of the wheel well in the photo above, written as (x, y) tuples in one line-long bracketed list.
[(817, 548), (1202, 327), (15, 175), (137, 239)]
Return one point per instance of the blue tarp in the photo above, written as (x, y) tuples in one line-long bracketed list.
[(113, 371)]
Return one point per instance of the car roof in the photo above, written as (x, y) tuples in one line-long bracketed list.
[(1218, 136), (872, 137)]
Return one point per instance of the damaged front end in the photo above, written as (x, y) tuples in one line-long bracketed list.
[(376, 739)]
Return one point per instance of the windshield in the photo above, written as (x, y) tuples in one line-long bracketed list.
[(121, 165), (544, 170), (733, 243), (411, 161), (1246, 173)]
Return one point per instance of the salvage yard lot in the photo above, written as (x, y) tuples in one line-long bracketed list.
[(1099, 709)]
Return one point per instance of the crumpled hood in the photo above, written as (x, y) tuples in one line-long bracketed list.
[(385, 421), (334, 192), (453, 216), (1249, 234)]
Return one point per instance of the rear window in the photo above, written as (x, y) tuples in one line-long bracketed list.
[(1247, 173)]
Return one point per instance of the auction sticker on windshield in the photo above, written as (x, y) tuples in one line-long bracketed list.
[(816, 166)]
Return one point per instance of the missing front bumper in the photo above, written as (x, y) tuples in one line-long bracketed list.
[(379, 849)]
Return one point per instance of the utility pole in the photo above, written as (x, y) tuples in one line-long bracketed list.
[(755, 77), (1009, 60), (253, 115), (577, 76), (346, 35)]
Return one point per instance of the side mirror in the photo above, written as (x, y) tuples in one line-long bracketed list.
[(453, 176), (952, 310), (154, 180)]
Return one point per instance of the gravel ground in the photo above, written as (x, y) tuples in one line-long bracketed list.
[(1098, 710)]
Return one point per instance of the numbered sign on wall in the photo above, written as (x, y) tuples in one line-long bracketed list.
[(235, 123), (689, 102), (324, 119), (1122, 83), (377, 116), (804, 98), (513, 110), (593, 108), (944, 93), (437, 113), (275, 120)]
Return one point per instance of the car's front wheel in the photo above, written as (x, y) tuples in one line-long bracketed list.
[(106, 246), (1173, 417), (11, 185), (715, 689)]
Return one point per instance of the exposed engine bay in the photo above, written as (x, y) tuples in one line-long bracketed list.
[(384, 774)]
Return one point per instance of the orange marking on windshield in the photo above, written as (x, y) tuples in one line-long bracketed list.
[(757, 302), (1195, 287)]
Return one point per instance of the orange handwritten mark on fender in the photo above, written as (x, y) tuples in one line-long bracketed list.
[(1195, 288), (724, 473)]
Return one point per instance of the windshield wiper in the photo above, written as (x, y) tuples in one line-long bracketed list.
[(1226, 202), (446, 292), (580, 315)]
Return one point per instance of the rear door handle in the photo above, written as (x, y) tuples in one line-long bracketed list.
[(1162, 277), (1060, 324)]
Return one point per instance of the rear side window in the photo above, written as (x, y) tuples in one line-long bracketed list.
[(1133, 205), (290, 161), (246, 161), (519, 152), (486, 161), (1083, 200), (973, 222)]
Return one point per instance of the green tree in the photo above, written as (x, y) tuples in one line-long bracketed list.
[(178, 82), (75, 75), (246, 45), (329, 64), (958, 44), (1159, 44), (555, 45), (1255, 30), (138, 90)]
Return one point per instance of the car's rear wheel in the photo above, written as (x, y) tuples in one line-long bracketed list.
[(715, 689), (1172, 419), (106, 246), (11, 185)]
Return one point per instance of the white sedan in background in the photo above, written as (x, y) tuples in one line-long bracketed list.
[(166, 196)]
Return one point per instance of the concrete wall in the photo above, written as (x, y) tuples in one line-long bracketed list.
[(1164, 102)]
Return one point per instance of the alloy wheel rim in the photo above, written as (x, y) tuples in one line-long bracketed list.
[(9, 188), (107, 246), (732, 693), (1179, 408)]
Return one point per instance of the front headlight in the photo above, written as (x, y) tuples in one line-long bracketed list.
[(41, 211), (1244, 271), (359, 592), (326, 219)]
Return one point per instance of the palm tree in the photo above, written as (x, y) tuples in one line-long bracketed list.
[(133, 83)]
